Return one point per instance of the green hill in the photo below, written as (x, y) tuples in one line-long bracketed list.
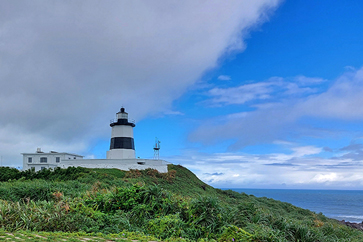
[(109, 204)]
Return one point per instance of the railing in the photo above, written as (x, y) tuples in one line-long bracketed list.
[(115, 121)]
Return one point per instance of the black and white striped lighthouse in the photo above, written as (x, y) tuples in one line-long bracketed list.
[(122, 137)]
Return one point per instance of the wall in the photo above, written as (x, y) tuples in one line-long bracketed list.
[(122, 164), (68, 160), (120, 153)]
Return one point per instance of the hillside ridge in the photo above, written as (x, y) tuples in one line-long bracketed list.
[(173, 206)]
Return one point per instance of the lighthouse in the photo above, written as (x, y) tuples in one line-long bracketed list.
[(120, 156), (122, 137)]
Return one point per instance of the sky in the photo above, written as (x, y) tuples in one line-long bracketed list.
[(246, 94)]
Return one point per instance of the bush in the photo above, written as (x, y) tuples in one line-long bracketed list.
[(166, 226), (40, 190), (233, 233), (8, 173), (58, 174)]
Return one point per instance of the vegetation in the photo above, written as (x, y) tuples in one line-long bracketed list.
[(109, 204)]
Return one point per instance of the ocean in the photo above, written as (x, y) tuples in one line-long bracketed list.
[(338, 204)]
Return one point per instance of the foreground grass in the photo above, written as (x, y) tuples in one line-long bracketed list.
[(109, 204), (63, 236)]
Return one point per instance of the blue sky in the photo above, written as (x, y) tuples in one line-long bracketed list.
[(246, 94), (321, 41)]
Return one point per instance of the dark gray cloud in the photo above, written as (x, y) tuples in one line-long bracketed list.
[(214, 174), (353, 147), (280, 164), (356, 156), (353, 151), (341, 165), (327, 149)]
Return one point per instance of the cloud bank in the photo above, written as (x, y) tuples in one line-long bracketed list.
[(68, 66), (301, 167), (283, 114)]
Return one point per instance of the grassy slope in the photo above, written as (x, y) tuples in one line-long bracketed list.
[(188, 184), (267, 218), (185, 182)]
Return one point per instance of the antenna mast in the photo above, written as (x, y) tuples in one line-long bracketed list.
[(156, 149)]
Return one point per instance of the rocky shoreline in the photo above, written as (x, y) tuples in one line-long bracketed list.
[(353, 225)]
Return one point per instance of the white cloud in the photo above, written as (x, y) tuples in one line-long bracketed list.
[(341, 101), (173, 113), (277, 117), (306, 150), (224, 78), (303, 80), (271, 89), (241, 94), (297, 169), (67, 67), (327, 177), (283, 142)]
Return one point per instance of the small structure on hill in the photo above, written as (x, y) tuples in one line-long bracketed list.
[(156, 149), (120, 156)]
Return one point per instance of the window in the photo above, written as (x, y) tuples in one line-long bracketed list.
[(42, 168), (30, 159), (57, 159), (43, 159), (141, 163), (74, 157)]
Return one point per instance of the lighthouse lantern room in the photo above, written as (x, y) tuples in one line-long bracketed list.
[(122, 138)]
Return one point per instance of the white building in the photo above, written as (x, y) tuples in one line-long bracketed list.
[(120, 156), (41, 160)]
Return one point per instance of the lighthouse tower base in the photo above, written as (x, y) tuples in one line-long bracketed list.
[(120, 154)]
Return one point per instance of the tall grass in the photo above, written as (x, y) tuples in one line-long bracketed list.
[(111, 201), (40, 190)]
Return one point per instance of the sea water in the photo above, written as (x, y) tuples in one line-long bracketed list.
[(338, 204)]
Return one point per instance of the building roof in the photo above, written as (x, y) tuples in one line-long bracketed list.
[(51, 153)]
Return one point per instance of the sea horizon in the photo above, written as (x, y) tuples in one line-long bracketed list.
[(337, 204), (328, 189)]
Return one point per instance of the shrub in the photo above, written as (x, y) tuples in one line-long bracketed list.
[(153, 173), (133, 174), (233, 233), (58, 174), (119, 199), (166, 226), (7, 173), (169, 176)]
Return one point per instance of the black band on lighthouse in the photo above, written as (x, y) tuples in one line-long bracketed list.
[(122, 122), (122, 143)]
